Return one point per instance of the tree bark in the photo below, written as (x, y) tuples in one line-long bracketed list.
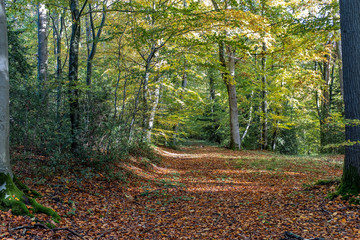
[(42, 49), (11, 197), (264, 104), (58, 23), (350, 34), (93, 46), (153, 109), (339, 56), (73, 77), (231, 88), (4, 96)]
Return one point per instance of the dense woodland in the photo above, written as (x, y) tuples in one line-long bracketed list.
[(112, 90), (105, 76)]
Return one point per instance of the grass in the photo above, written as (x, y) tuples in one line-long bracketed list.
[(281, 163)]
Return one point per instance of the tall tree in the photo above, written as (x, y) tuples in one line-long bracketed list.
[(5, 168), (73, 76), (10, 196), (42, 49), (350, 37), (228, 77)]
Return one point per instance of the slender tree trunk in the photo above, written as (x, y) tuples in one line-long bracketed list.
[(183, 87), (42, 50), (339, 57), (73, 77), (264, 104), (350, 34), (249, 121), (58, 23), (211, 84), (145, 103), (153, 109), (94, 39), (325, 103)]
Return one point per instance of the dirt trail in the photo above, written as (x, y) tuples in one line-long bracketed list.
[(208, 194), (196, 193)]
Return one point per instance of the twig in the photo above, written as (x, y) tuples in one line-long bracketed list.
[(69, 230), (38, 225), (151, 228)]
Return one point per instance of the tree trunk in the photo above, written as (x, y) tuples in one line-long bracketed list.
[(229, 81), (339, 56), (350, 34), (4, 97), (153, 110), (11, 197), (264, 104), (42, 50), (325, 102), (73, 77), (233, 110), (58, 23), (183, 87), (94, 39)]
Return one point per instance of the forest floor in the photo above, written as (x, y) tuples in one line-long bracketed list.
[(192, 193)]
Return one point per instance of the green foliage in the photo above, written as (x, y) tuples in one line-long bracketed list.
[(287, 142), (170, 43)]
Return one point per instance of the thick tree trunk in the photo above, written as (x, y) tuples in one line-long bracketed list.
[(350, 34), (73, 77), (11, 197), (233, 110), (42, 50), (4, 97), (229, 81)]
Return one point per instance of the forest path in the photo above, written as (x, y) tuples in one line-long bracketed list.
[(216, 193), (193, 193)]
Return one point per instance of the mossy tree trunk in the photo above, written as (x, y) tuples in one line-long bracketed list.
[(350, 34), (11, 197)]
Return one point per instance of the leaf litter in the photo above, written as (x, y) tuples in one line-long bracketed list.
[(193, 193)]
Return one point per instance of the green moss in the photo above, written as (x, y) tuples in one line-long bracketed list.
[(11, 197), (26, 189), (350, 183), (327, 181)]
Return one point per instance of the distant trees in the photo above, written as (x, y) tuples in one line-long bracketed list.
[(136, 72)]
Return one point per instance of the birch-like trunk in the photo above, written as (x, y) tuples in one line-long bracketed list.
[(233, 110), (153, 110), (42, 49), (4, 96)]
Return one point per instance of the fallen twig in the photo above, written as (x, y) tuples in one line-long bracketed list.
[(293, 236), (39, 225)]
